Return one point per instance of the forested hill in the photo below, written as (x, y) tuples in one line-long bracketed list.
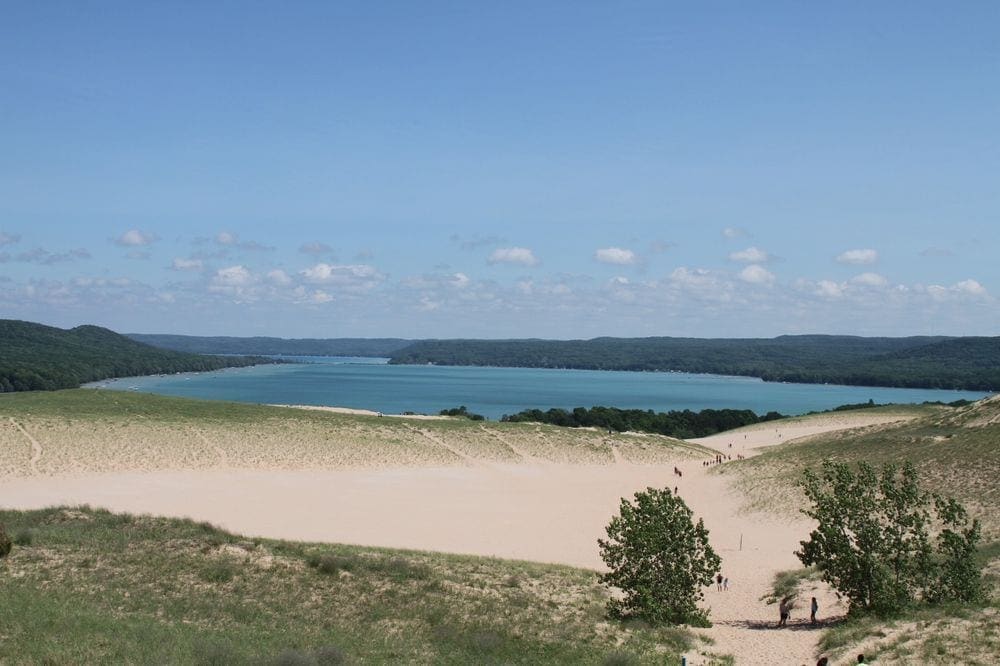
[(383, 347), (36, 357), (913, 362)]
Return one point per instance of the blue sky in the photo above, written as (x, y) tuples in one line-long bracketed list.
[(526, 170)]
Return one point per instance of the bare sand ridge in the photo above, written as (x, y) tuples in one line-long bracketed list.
[(525, 492)]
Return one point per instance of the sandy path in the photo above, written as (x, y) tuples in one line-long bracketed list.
[(755, 546), (36, 448), (550, 512)]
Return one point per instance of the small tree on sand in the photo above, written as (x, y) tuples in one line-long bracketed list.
[(873, 539), (659, 559)]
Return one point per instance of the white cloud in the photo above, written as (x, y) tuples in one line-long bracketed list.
[(513, 255), (8, 239), (751, 255), (278, 277), (970, 287), (870, 280), (233, 276), (616, 255), (734, 232), (350, 276), (181, 264), (135, 238), (755, 274), (319, 296), (829, 289), (692, 276), (858, 257), (225, 238), (460, 280)]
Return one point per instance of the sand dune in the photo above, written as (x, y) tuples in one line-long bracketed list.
[(525, 492)]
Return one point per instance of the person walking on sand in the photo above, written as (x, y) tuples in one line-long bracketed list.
[(725, 584), (784, 611), (813, 607), (718, 582)]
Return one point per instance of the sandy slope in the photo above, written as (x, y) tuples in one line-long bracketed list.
[(536, 509)]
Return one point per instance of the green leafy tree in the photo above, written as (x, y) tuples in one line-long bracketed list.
[(659, 559), (873, 543)]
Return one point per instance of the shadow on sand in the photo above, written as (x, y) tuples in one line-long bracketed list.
[(800, 625)]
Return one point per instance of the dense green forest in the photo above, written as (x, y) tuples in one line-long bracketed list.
[(374, 347), (971, 363), (682, 424), (35, 357)]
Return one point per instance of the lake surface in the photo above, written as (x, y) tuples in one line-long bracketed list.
[(366, 383)]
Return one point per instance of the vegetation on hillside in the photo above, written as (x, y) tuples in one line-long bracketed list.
[(954, 450), (265, 346), (681, 424), (107, 588), (34, 357), (917, 362), (81, 430)]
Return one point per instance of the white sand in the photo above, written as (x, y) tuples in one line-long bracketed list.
[(533, 511), (363, 412)]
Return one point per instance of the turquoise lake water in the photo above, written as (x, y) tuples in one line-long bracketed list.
[(373, 384)]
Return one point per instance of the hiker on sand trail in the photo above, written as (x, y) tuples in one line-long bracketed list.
[(718, 582), (785, 610), (813, 607)]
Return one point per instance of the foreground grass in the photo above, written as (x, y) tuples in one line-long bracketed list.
[(89, 586)]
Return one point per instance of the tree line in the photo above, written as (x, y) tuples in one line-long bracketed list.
[(34, 357), (681, 424), (969, 363)]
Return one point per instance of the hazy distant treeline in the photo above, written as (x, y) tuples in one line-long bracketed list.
[(970, 363), (34, 357), (372, 347)]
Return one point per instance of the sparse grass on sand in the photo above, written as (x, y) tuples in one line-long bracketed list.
[(95, 587), (957, 453), (946, 634), (91, 431)]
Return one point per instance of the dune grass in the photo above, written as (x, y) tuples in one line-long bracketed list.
[(955, 450), (96, 587), (90, 431), (957, 453)]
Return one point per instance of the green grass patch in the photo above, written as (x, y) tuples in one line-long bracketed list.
[(97, 587), (786, 583)]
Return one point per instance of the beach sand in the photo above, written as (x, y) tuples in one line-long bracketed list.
[(525, 504)]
